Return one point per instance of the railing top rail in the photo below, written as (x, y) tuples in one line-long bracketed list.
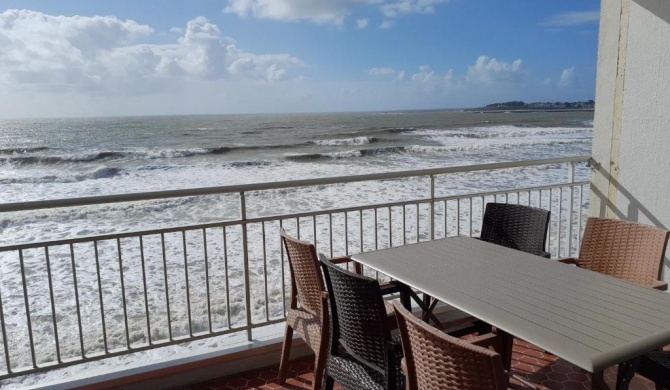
[(140, 196)]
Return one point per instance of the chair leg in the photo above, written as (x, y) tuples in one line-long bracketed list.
[(330, 382), (319, 369), (285, 352)]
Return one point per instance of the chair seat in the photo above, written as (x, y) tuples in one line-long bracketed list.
[(353, 375), (307, 325)]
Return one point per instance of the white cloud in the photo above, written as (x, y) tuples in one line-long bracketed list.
[(489, 70), (326, 11), (449, 77), (391, 10), (425, 75), (383, 71), (386, 24), (317, 11), (573, 19), (103, 55), (362, 23), (567, 77)]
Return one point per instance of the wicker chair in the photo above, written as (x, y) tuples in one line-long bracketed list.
[(308, 313), (309, 318), (626, 250), (370, 358), (655, 366), (516, 226), (436, 361)]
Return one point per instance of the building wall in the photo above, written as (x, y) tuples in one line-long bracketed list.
[(631, 144)]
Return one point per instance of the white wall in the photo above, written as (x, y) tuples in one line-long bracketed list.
[(632, 118)]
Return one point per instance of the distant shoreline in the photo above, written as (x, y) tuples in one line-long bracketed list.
[(484, 110)]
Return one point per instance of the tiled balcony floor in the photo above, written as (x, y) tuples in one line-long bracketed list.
[(542, 369)]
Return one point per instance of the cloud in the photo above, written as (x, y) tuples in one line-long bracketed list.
[(567, 78), (392, 10), (326, 11), (362, 23), (103, 54), (383, 71), (317, 11), (425, 75), (572, 19), (386, 24), (489, 70)]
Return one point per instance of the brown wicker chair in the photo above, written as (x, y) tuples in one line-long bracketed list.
[(626, 250), (516, 226), (436, 361), (310, 318)]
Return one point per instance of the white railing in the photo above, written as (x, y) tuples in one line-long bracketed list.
[(66, 301)]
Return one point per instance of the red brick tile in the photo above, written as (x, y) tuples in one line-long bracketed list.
[(542, 369)]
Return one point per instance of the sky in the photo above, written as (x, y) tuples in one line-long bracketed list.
[(148, 57)]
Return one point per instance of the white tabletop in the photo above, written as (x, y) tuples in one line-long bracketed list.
[(591, 320)]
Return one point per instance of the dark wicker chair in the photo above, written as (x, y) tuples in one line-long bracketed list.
[(308, 312), (626, 250), (655, 366), (436, 361), (370, 358), (515, 226)]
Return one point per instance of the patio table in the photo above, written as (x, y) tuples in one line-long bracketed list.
[(591, 320)]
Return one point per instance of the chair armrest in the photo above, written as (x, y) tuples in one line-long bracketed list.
[(342, 260), (659, 285), (569, 260), (337, 260)]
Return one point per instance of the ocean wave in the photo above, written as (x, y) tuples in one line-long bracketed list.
[(345, 141), (17, 159), (100, 173), (346, 153), (23, 150), (238, 164), (514, 131), (52, 160), (420, 149)]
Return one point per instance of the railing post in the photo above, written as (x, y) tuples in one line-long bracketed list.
[(571, 180), (432, 207), (245, 253)]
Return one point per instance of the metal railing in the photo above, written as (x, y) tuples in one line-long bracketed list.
[(66, 301)]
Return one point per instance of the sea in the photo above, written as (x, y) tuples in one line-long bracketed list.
[(46, 159), (63, 158)]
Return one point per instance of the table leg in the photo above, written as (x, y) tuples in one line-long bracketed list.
[(625, 373), (598, 381), (507, 343)]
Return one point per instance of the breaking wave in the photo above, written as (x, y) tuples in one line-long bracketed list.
[(346, 141)]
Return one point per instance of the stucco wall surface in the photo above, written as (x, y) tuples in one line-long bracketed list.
[(637, 170)]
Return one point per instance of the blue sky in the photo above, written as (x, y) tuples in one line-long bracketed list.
[(143, 57)]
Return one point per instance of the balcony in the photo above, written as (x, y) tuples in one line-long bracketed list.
[(203, 281)]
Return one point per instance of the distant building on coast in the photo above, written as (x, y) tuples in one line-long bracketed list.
[(519, 105)]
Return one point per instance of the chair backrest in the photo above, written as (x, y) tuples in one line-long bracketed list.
[(626, 250), (516, 226), (437, 361), (358, 316), (306, 280)]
